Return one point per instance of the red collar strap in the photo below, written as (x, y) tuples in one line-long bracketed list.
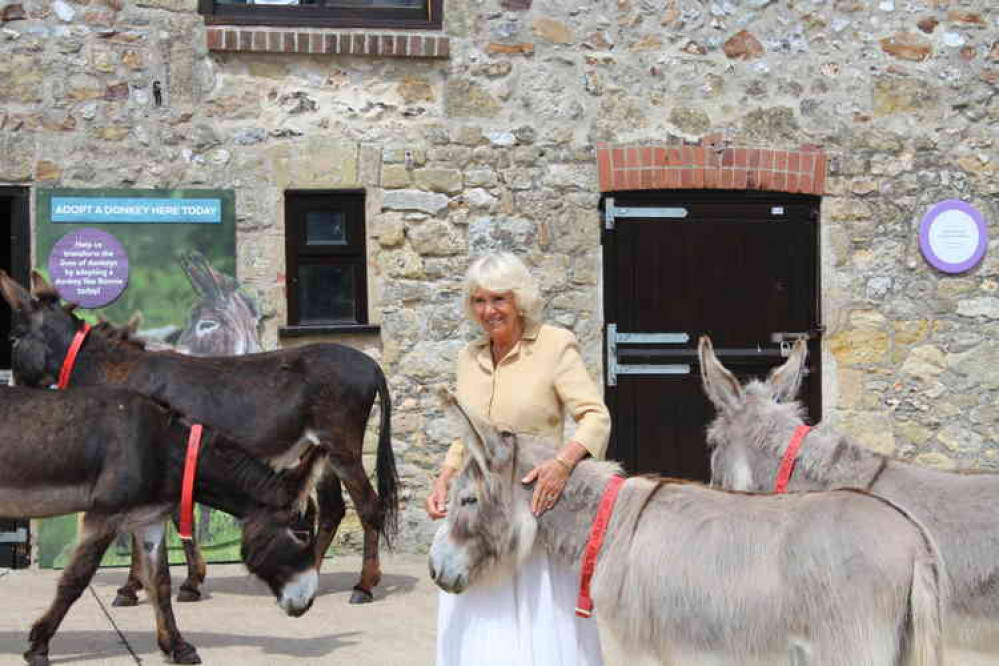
[(786, 468), (584, 604), (185, 528), (74, 348)]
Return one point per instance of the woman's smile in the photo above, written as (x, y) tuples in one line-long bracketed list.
[(497, 313)]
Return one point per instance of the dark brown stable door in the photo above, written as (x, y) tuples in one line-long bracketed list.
[(739, 267)]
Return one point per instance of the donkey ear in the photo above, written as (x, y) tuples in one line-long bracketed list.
[(785, 381), (720, 385), (17, 297), (134, 323), (471, 435), (41, 289), (490, 448), (298, 479)]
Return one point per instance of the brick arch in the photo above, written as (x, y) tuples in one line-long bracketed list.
[(710, 164)]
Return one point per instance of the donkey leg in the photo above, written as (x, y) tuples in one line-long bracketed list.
[(190, 589), (128, 594), (157, 574), (96, 535), (369, 511), (332, 509)]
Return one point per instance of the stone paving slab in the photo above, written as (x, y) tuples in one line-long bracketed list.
[(239, 623)]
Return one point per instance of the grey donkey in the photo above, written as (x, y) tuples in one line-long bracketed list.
[(838, 578), (753, 427)]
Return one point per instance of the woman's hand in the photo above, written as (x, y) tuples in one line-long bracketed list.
[(551, 477), (436, 504)]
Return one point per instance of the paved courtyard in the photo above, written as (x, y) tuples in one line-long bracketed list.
[(239, 624)]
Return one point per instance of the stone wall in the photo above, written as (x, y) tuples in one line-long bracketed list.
[(490, 141)]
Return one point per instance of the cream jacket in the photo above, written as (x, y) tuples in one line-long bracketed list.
[(539, 381)]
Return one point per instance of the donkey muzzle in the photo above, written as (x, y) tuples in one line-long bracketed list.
[(298, 594)]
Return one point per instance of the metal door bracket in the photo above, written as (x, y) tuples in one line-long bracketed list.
[(612, 212), (615, 368), (20, 536)]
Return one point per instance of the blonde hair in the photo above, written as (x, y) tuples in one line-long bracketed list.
[(500, 272)]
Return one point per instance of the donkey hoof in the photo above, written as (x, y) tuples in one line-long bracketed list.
[(185, 654), (125, 601), (36, 659), (188, 594), (361, 596)]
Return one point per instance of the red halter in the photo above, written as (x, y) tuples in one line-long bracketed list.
[(184, 530), (786, 468), (193, 440), (584, 604), (74, 348)]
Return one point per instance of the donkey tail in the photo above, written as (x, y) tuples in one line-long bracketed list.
[(929, 597), (926, 609), (388, 476)]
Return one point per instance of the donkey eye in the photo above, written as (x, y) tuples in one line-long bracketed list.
[(207, 325), (466, 501)]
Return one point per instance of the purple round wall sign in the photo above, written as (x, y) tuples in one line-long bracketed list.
[(89, 267), (953, 236)]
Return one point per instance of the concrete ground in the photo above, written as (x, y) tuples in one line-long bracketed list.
[(239, 624)]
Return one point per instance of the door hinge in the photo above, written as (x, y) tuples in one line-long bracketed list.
[(615, 368), (20, 536), (612, 212)]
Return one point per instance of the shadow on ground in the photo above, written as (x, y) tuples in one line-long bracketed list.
[(333, 582), (78, 646)]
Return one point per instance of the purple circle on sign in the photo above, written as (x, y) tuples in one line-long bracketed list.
[(953, 236), (89, 267)]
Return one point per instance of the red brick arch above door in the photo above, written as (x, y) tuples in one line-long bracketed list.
[(710, 164)]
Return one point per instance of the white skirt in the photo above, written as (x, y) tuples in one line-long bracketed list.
[(527, 618)]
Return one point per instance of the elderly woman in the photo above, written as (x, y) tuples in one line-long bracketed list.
[(526, 376)]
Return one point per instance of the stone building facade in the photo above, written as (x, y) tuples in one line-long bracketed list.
[(489, 133)]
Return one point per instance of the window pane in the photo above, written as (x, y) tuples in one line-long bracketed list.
[(326, 293), (325, 228)]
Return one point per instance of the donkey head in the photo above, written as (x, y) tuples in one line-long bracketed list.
[(271, 548), (274, 553), (746, 415), (232, 480), (41, 330), (223, 321), (489, 524)]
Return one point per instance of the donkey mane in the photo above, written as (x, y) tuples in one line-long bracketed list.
[(266, 486), (769, 426), (830, 453), (119, 334)]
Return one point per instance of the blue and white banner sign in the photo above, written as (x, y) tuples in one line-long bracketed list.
[(107, 210)]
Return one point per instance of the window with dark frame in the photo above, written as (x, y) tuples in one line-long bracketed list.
[(381, 14), (326, 258)]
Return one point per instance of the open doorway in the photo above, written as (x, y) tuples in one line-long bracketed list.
[(15, 249)]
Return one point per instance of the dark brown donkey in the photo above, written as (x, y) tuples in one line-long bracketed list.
[(277, 404), (223, 321), (118, 456)]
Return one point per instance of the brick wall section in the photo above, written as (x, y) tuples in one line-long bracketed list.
[(710, 164), (278, 40)]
